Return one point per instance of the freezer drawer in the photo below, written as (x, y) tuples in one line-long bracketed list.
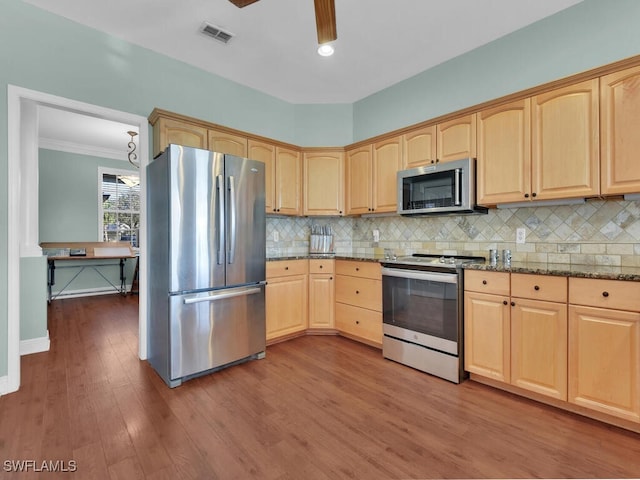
[(211, 329)]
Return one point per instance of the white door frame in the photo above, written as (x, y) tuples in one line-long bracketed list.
[(23, 158)]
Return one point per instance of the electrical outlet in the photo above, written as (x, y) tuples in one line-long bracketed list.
[(276, 236), (376, 235), (521, 235)]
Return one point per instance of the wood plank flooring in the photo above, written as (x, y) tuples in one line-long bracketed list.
[(314, 408)]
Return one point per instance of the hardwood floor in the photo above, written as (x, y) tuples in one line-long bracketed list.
[(314, 408)]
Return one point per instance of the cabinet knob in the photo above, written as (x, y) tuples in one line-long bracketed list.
[(536, 287), (357, 292), (340, 212), (605, 294), (504, 302), (286, 268), (484, 282), (513, 304), (274, 210), (526, 195), (357, 322), (534, 194), (330, 278), (320, 266), (357, 269)]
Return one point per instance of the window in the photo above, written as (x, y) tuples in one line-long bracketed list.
[(119, 206)]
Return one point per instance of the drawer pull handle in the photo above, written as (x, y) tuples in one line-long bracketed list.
[(605, 294), (504, 302), (484, 282), (536, 287)]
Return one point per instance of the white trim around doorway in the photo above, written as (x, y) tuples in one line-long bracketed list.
[(15, 98)]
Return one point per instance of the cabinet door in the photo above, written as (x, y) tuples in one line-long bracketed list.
[(565, 152), (286, 305), (323, 183), (604, 360), (288, 182), (166, 131), (487, 335), (419, 147), (224, 142), (504, 153), (386, 163), (539, 347), (321, 301), (457, 139), (359, 180), (266, 153), (620, 142)]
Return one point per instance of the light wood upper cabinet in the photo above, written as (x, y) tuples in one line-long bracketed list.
[(457, 139), (619, 132), (266, 153), (359, 180), (565, 142), (224, 142), (387, 156), (167, 130), (288, 182), (504, 153), (419, 147), (323, 182)]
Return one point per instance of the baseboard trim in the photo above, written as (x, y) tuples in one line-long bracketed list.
[(35, 345)]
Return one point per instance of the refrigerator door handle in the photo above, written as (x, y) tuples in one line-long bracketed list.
[(233, 219), (220, 194), (212, 297)]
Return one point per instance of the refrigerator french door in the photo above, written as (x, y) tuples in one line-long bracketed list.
[(206, 261)]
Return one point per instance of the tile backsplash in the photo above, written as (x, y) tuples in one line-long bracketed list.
[(597, 232)]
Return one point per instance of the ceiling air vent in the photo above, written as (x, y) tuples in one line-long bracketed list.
[(216, 32)]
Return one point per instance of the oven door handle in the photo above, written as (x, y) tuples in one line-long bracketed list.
[(417, 275)]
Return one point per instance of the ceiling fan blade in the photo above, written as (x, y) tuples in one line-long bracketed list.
[(326, 20), (242, 3)]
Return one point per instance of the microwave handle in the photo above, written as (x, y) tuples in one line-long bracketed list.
[(457, 193)]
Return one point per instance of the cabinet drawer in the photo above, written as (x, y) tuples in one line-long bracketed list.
[(486, 282), (539, 287), (321, 266), (359, 269), (359, 322), (282, 268), (615, 294), (360, 292)]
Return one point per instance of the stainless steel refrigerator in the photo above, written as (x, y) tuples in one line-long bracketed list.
[(206, 228)]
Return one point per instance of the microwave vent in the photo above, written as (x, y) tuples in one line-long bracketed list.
[(216, 33)]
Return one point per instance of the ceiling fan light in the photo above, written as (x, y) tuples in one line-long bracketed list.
[(325, 50)]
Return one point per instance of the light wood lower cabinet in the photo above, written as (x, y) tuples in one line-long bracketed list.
[(575, 340), (322, 294), (359, 301), (286, 300), (487, 344)]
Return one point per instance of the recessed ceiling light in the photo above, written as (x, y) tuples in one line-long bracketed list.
[(325, 50)]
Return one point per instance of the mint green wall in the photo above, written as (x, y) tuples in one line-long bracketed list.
[(50, 54), (68, 212), (588, 35), (33, 297)]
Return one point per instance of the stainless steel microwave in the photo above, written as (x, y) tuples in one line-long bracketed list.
[(446, 188)]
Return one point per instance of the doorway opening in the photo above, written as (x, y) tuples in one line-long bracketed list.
[(22, 180)]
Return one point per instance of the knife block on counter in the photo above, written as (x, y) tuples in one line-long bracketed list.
[(319, 243)]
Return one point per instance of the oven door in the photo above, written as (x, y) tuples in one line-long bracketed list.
[(421, 307)]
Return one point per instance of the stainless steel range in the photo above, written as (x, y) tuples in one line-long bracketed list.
[(422, 300)]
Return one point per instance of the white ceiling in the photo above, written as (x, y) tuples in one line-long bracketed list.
[(380, 42)]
